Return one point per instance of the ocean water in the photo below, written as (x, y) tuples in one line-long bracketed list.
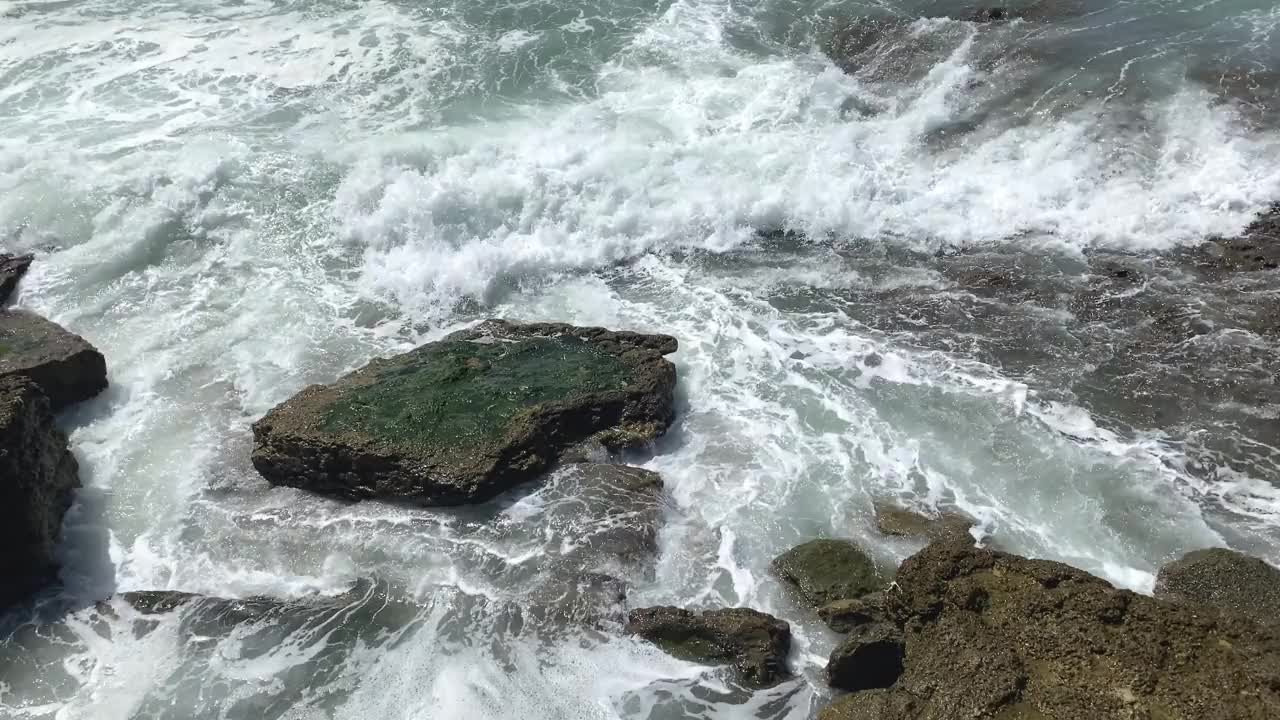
[(888, 283)]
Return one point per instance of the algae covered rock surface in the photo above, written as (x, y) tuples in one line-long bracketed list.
[(463, 419), (754, 643), (825, 571)]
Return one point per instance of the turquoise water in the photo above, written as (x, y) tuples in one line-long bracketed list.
[(235, 200)]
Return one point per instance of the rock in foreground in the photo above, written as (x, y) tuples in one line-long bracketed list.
[(65, 367), (992, 635), (1224, 579), (756, 644), (37, 480), (463, 419), (825, 571), (12, 268)]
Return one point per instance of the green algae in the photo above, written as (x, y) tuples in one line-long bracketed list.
[(824, 571), (463, 391)]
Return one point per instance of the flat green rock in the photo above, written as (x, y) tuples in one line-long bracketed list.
[(465, 418)]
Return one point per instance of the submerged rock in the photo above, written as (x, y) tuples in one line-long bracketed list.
[(463, 419), (65, 367), (1224, 579), (602, 513), (755, 643), (824, 571), (1256, 248), (12, 268), (37, 481), (992, 635), (900, 522)]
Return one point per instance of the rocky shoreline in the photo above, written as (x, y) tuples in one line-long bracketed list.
[(957, 631)]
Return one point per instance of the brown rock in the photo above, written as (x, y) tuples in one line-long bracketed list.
[(824, 571), (755, 643), (872, 705), (900, 522), (994, 635), (1224, 579), (65, 367), (842, 616)]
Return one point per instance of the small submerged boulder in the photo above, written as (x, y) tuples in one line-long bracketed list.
[(602, 513), (825, 571), (65, 367), (755, 643), (38, 477), (463, 419), (900, 522), (1223, 579), (12, 268)]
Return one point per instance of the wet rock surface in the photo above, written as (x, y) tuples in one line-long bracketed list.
[(754, 643), (65, 367), (825, 571), (1224, 579), (899, 522), (1108, 332), (844, 616), (38, 476), (12, 268), (463, 419), (991, 635)]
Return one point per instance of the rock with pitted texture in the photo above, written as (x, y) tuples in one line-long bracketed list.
[(1224, 579), (754, 643), (992, 635), (65, 367), (38, 478), (463, 419)]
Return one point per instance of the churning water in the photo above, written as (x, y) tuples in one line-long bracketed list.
[(884, 281)]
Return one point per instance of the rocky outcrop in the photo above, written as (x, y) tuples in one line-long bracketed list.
[(1224, 579), (463, 419), (900, 522), (754, 643), (825, 571), (991, 635), (37, 481), (12, 268), (65, 367), (1256, 248)]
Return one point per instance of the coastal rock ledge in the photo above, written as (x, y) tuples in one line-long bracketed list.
[(465, 418)]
